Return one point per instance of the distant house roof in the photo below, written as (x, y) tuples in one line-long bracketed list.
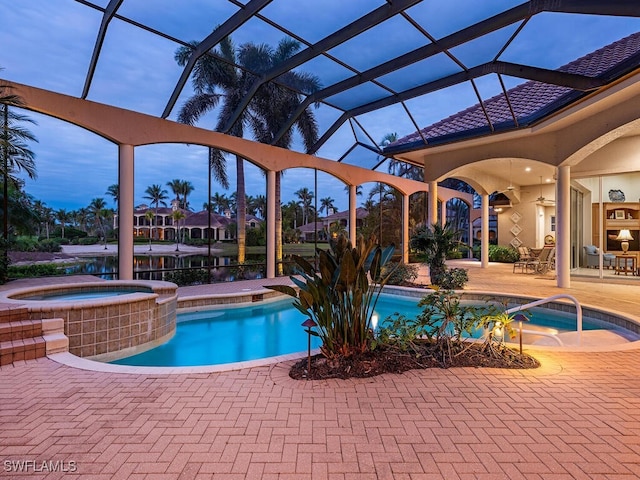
[(360, 213), (309, 227), (325, 222), (197, 219), (530, 101)]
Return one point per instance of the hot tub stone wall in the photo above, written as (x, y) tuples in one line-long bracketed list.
[(102, 327)]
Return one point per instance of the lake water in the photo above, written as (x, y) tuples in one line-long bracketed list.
[(155, 267)]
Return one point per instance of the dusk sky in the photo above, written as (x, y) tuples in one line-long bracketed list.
[(48, 44)]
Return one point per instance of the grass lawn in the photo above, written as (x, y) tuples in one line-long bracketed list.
[(302, 249)]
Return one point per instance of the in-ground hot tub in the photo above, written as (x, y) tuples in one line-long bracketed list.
[(104, 319)]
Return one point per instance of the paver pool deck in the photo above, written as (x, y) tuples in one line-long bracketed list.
[(578, 416)]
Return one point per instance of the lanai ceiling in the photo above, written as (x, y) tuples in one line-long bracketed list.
[(384, 66)]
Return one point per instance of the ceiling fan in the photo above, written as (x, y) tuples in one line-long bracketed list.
[(541, 200), (511, 187)]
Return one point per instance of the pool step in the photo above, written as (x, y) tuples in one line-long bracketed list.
[(20, 338)]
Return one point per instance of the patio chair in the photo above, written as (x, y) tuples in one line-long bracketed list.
[(525, 256), (544, 262)]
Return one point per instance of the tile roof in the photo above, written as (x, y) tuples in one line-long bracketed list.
[(531, 100), (197, 219)]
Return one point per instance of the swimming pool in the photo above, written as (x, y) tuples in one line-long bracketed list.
[(236, 334)]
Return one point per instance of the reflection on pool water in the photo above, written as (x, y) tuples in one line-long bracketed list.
[(236, 334)]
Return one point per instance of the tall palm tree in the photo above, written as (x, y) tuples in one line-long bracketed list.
[(260, 204), (82, 214), (306, 197), (15, 155), (326, 204), (268, 110), (275, 104), (186, 188), (358, 190), (177, 215), (114, 191), (157, 196), (175, 185), (214, 72), (220, 202), (98, 211), (150, 216), (46, 217), (181, 189), (63, 217)]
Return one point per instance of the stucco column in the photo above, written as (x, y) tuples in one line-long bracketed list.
[(125, 212), (352, 213), (432, 217), (563, 227), (484, 232), (271, 224), (405, 228)]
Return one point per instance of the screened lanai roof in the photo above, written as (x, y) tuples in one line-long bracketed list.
[(529, 102), (384, 66)]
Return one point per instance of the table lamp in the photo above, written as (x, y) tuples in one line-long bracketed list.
[(624, 236)]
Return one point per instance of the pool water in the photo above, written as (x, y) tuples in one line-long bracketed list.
[(237, 334), (70, 296)]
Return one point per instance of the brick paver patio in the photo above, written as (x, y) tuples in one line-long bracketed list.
[(578, 416)]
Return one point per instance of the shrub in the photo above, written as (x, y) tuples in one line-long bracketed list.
[(454, 279), (69, 232), (184, 278), (88, 241), (52, 245), (437, 242), (499, 253), (400, 273), (4, 261), (25, 244), (340, 298), (34, 270)]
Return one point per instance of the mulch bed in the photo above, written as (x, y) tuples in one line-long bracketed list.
[(29, 257), (389, 360)]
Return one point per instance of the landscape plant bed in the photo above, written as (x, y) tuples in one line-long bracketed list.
[(390, 360)]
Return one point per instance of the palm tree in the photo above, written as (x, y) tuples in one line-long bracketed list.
[(114, 191), (290, 212), (63, 217), (16, 156), (358, 190), (156, 195), (46, 216), (150, 216), (219, 202), (81, 218), (177, 215), (175, 185), (326, 204), (275, 104), (437, 243), (97, 209), (181, 189), (212, 72), (186, 187), (260, 205), (268, 110), (306, 197)]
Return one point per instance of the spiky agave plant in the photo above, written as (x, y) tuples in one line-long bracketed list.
[(341, 297)]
